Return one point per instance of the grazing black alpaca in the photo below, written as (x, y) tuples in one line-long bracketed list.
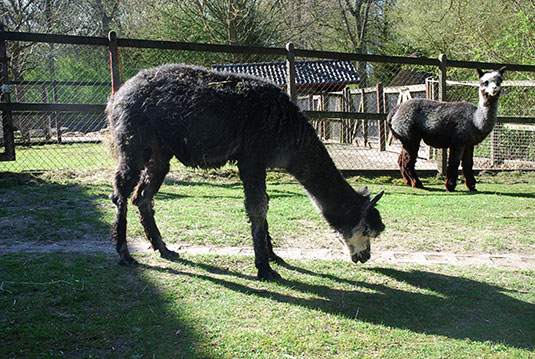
[(205, 119), (458, 126)]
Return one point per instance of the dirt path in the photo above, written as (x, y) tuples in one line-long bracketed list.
[(505, 261)]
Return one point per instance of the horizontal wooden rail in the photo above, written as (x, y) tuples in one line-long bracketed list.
[(196, 46), (515, 119), (489, 65), (52, 107), (50, 38), (189, 46), (315, 115), (61, 83), (320, 115), (364, 57)]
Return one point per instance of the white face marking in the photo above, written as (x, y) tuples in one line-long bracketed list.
[(357, 243), (490, 83)]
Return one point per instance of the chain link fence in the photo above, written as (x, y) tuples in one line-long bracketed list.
[(351, 94)]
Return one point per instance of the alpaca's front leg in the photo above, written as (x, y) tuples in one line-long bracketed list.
[(468, 163), (262, 253), (253, 177), (271, 254), (454, 160)]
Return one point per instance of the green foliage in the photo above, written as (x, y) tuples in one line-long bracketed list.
[(495, 30), (518, 41)]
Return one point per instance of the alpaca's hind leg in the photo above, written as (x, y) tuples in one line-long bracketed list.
[(408, 157), (402, 161), (126, 177), (468, 163), (454, 160), (149, 184), (256, 205)]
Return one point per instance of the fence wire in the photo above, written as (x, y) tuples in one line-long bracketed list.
[(80, 74)]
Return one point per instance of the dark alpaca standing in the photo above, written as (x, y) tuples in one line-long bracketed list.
[(458, 126), (205, 119)]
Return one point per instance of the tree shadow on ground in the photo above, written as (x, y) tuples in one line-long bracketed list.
[(71, 304), (434, 304)]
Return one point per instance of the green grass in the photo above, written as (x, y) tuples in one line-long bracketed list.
[(206, 208), (85, 306), (80, 156)]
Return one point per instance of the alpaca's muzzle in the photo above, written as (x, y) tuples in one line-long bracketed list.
[(362, 256)]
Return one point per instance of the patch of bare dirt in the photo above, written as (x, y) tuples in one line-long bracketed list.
[(512, 261)]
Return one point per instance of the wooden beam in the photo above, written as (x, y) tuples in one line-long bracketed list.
[(442, 160), (7, 116), (290, 73), (116, 80), (49, 38), (319, 115), (46, 107)]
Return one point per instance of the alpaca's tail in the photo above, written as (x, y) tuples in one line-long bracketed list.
[(391, 114)]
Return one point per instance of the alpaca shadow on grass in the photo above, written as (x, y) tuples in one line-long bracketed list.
[(514, 195), (466, 192), (420, 301)]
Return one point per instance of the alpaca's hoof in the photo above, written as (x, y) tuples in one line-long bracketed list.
[(472, 189), (168, 254), (269, 275), (450, 188), (127, 261)]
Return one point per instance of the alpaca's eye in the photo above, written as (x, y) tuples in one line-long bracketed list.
[(486, 83)]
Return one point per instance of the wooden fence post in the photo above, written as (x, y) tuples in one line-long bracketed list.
[(290, 72), (48, 118), (7, 116), (347, 106), (442, 160), (382, 124), (362, 108), (114, 62), (430, 94)]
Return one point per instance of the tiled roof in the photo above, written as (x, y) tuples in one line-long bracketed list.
[(319, 72)]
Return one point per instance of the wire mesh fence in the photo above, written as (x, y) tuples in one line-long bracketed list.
[(76, 74)]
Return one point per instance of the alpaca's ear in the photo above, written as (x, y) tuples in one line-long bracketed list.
[(375, 199), (364, 191), (502, 70), (480, 73)]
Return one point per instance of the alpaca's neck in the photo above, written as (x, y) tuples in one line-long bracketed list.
[(485, 115), (312, 166)]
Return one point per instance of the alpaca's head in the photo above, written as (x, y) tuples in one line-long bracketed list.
[(490, 83), (357, 239)]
